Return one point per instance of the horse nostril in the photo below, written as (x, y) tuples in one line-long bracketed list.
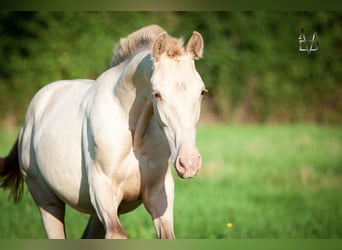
[(181, 165), (187, 167)]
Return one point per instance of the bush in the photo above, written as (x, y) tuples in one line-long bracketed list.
[(251, 66)]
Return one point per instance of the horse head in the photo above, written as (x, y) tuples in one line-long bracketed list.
[(177, 90)]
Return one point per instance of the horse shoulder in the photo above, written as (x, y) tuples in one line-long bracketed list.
[(106, 135)]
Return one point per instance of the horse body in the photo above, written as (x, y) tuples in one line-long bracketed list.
[(104, 146), (53, 118)]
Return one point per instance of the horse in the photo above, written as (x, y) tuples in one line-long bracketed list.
[(105, 146)]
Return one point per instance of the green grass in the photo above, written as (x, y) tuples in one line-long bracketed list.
[(268, 181)]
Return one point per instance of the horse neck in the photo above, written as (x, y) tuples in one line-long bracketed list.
[(134, 92), (134, 88)]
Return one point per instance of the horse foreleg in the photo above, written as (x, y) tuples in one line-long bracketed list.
[(159, 203), (105, 199)]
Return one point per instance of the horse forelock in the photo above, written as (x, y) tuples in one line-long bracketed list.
[(135, 42), (174, 48)]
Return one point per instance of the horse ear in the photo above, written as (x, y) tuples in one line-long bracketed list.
[(195, 45), (159, 46)]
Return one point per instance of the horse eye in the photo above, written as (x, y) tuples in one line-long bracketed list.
[(203, 92), (157, 95)]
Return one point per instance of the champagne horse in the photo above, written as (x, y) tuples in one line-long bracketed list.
[(104, 147)]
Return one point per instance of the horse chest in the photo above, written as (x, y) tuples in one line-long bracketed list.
[(141, 176), (131, 190)]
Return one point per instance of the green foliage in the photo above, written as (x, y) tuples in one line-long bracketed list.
[(268, 181), (251, 64), (256, 73)]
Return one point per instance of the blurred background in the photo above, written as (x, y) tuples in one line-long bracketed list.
[(251, 66), (270, 130)]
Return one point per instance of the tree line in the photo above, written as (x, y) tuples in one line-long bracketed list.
[(252, 65)]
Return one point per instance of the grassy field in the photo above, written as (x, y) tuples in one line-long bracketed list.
[(266, 181)]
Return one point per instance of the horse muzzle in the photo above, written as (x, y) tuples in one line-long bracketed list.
[(187, 166)]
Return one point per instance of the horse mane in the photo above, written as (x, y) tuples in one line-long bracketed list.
[(135, 42), (143, 39)]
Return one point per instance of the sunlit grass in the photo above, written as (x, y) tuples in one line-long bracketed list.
[(266, 181)]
